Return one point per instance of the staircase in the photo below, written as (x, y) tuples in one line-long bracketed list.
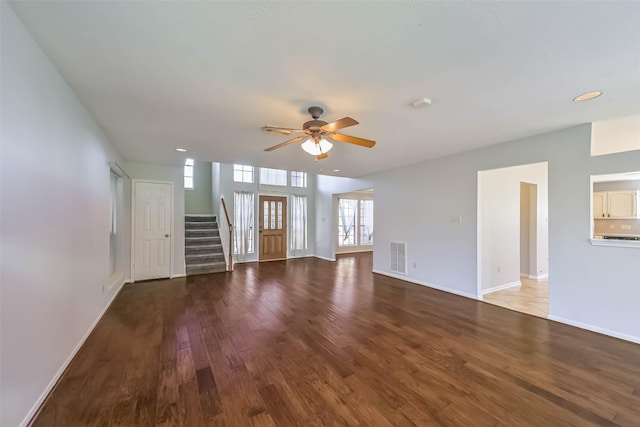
[(202, 245)]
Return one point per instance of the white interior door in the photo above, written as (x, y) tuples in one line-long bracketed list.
[(152, 230)]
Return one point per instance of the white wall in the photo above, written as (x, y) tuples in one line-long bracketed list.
[(499, 223), (617, 185), (592, 286), (199, 199), (174, 174), (215, 188), (528, 228), (55, 197), (616, 135)]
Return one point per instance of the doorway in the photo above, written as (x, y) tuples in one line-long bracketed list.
[(513, 238), (273, 228), (152, 219)]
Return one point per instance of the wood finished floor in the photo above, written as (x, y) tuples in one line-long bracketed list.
[(532, 297), (309, 342)]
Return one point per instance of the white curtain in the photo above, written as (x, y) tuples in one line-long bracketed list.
[(298, 223), (347, 211), (367, 222), (243, 224)]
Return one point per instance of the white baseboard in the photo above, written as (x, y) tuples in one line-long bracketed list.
[(502, 287), (597, 329), (115, 280), (355, 251), (532, 277), (36, 406), (175, 276), (324, 258), (429, 285)]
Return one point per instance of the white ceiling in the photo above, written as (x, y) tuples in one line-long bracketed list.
[(207, 75)]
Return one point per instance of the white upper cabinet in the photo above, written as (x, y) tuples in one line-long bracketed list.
[(623, 204), (616, 204), (599, 205)]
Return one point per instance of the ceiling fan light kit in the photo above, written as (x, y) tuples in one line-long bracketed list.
[(317, 134), (316, 148)]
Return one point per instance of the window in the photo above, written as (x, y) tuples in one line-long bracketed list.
[(355, 222), (347, 222), (298, 223), (243, 224), (366, 222), (298, 179), (243, 173), (273, 176), (188, 174)]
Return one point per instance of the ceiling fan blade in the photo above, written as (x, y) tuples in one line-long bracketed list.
[(291, 141), (352, 140), (322, 156), (339, 124), (279, 131)]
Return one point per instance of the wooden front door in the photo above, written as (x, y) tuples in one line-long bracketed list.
[(273, 228)]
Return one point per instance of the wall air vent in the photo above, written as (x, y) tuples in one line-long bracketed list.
[(398, 260)]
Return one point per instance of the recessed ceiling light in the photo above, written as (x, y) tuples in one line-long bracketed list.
[(587, 96), (336, 170), (181, 150)]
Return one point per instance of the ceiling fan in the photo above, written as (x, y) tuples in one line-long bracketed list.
[(317, 133)]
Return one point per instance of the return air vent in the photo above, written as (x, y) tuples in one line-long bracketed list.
[(398, 252)]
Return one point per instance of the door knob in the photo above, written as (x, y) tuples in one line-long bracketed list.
[(166, 235)]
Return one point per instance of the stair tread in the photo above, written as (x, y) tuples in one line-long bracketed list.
[(203, 245), (195, 256), (209, 264), (202, 237), (207, 271)]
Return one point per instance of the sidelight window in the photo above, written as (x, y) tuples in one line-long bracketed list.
[(188, 174)]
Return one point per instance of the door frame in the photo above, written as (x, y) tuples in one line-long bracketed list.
[(258, 219), (480, 198), (133, 224)]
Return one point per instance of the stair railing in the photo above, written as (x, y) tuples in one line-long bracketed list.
[(228, 226)]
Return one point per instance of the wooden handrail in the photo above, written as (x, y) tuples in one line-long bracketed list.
[(226, 214)]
